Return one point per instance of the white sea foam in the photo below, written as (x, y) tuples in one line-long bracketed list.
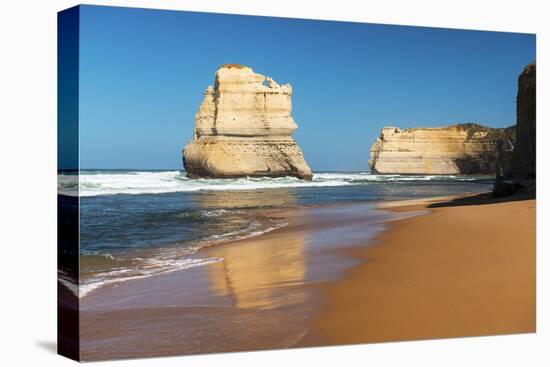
[(95, 253), (253, 230), (207, 213), (65, 279), (156, 266), (166, 260), (97, 183)]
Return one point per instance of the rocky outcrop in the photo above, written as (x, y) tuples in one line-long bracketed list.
[(244, 128), (520, 175), (457, 149), (523, 159)]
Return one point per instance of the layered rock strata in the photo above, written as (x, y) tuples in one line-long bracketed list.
[(457, 149), (244, 128), (520, 174)]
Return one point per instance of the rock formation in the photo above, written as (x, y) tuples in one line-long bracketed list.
[(521, 173), (457, 149), (244, 128)]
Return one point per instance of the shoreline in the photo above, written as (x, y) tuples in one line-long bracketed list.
[(290, 215), (473, 275), (304, 278), (266, 284)]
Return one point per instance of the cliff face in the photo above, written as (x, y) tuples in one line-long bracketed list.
[(243, 128), (521, 172), (457, 149), (523, 158)]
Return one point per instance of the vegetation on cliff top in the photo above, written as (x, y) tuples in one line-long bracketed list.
[(471, 128), (234, 66)]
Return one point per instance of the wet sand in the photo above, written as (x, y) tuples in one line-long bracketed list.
[(332, 276), (466, 269), (261, 296)]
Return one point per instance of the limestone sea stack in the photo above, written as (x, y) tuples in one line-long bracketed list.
[(244, 128), (457, 149)]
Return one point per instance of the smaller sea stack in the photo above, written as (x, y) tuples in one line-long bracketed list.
[(457, 149)]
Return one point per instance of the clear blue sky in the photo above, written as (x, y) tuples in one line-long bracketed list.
[(143, 73)]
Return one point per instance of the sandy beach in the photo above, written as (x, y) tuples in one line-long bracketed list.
[(466, 269), (340, 274)]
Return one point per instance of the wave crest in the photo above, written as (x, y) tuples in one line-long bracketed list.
[(157, 182)]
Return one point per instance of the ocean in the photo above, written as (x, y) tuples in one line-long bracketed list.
[(139, 223)]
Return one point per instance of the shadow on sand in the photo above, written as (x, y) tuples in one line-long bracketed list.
[(482, 199)]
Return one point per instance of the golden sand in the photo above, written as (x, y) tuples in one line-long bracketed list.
[(463, 270)]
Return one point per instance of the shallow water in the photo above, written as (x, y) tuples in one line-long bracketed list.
[(136, 224), (264, 288)]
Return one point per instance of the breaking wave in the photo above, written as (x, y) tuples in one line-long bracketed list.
[(96, 183)]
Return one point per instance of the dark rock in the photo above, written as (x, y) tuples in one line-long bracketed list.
[(506, 187), (518, 169)]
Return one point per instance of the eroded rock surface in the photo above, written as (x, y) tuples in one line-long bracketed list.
[(520, 173), (244, 128), (523, 159), (457, 149)]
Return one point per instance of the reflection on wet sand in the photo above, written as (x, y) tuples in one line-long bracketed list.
[(259, 296), (245, 199), (255, 299), (261, 273)]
